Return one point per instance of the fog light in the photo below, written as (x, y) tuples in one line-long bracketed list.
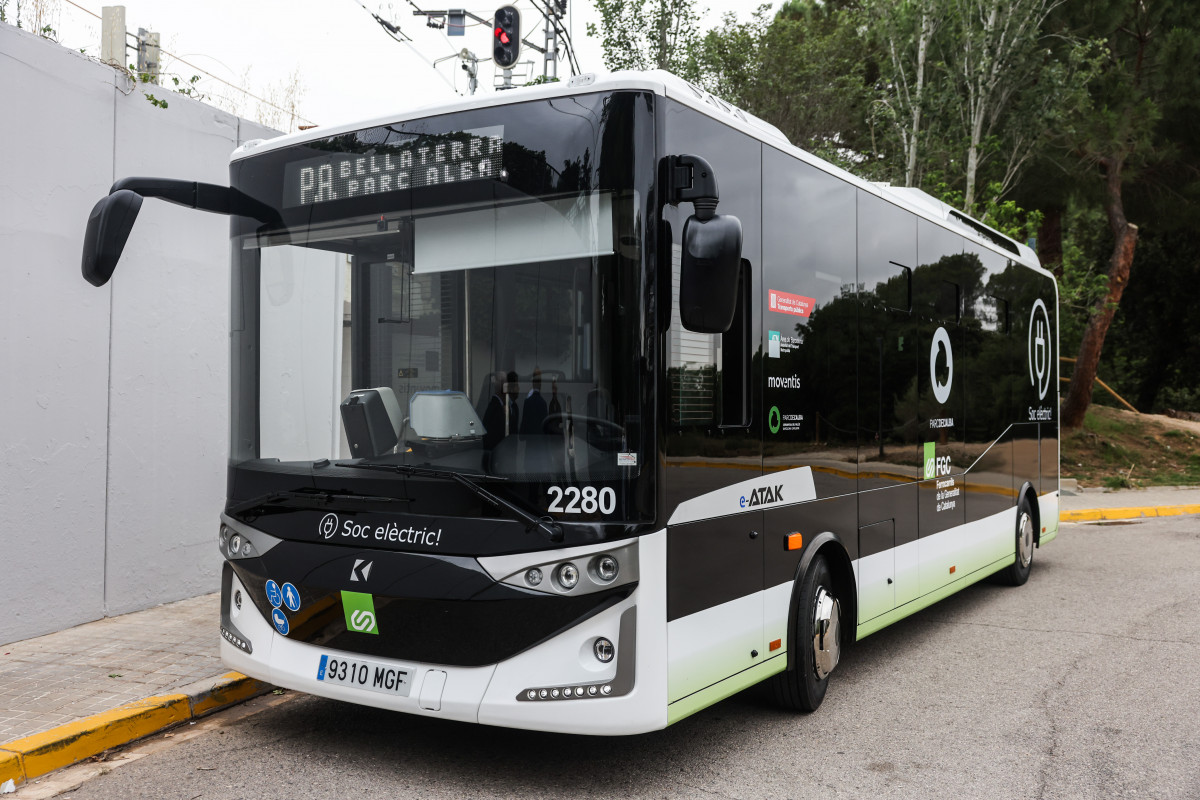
[(235, 544), (568, 575), (603, 650), (247, 548), (533, 577), (607, 568), (237, 599)]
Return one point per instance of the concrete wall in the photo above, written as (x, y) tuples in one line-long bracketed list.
[(113, 401)]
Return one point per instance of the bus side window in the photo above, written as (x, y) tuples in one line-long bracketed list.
[(735, 358), (896, 292), (947, 302)]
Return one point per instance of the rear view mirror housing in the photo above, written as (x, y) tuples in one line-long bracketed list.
[(712, 247), (112, 218), (708, 275), (108, 229)]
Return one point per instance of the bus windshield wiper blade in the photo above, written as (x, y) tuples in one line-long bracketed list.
[(312, 496), (545, 524)]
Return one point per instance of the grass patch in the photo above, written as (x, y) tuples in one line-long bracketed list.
[(1118, 449)]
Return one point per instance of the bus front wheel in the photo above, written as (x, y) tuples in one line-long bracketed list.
[(818, 638)]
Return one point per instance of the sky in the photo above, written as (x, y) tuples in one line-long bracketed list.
[(347, 67)]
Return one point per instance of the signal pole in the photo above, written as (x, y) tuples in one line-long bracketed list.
[(550, 63)]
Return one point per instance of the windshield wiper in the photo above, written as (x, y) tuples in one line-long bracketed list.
[(546, 524), (312, 497)]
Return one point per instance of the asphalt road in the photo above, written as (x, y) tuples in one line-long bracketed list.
[(1085, 683)]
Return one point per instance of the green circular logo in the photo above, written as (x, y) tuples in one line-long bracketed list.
[(773, 419)]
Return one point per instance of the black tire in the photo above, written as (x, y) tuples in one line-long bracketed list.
[(1018, 572), (800, 687)]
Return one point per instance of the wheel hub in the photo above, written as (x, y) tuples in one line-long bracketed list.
[(826, 633), (1025, 539)]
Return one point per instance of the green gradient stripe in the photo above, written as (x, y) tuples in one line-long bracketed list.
[(698, 701)]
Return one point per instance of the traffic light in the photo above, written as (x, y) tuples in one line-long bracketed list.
[(507, 34)]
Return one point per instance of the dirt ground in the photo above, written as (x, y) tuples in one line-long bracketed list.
[(1117, 448)]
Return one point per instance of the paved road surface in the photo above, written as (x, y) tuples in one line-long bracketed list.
[(1085, 683)]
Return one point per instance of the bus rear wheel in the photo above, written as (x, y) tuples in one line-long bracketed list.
[(1018, 572), (818, 639)]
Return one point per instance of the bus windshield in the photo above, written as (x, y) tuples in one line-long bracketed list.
[(488, 331)]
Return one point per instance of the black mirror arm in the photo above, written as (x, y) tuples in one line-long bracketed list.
[(202, 196), (693, 180)]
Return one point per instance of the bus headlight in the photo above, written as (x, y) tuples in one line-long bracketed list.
[(574, 571), (603, 650), (606, 568), (568, 575)]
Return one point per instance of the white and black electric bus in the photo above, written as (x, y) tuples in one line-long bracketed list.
[(532, 426)]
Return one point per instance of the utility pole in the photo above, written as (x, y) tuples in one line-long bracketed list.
[(112, 36)]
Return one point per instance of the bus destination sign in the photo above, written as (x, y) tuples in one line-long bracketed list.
[(422, 160)]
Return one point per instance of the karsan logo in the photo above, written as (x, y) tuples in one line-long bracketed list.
[(767, 494)]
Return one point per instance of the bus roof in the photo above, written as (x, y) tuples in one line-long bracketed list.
[(665, 84)]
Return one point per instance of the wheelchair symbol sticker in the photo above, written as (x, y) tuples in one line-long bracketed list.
[(274, 595)]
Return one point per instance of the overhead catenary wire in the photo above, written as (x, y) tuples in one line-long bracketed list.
[(247, 92), (392, 29)]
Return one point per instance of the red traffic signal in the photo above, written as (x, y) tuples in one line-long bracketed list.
[(507, 35)]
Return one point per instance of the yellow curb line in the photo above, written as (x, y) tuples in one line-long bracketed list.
[(33, 756), (1097, 514)]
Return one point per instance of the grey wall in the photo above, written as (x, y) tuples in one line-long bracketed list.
[(113, 401)]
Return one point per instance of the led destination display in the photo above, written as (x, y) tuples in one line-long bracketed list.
[(418, 161)]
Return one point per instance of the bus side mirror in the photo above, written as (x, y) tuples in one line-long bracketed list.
[(107, 231), (708, 274), (712, 246)]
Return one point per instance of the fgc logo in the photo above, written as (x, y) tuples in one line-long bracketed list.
[(362, 621)]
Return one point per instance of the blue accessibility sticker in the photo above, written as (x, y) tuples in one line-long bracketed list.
[(291, 597), (280, 620), (274, 595)]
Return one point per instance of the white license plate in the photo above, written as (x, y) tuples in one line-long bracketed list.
[(362, 673)]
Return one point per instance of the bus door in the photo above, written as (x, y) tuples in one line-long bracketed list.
[(713, 485), (938, 283), (888, 474)]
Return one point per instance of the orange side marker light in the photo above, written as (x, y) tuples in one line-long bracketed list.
[(775, 645), (794, 541), (952, 570)]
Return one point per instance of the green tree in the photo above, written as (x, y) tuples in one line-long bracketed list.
[(1127, 139), (648, 34), (804, 69)]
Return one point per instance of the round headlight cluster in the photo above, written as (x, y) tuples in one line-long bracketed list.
[(601, 570)]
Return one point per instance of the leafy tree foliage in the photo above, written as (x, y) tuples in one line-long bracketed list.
[(1077, 122)]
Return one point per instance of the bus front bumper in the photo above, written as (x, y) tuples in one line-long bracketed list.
[(557, 685)]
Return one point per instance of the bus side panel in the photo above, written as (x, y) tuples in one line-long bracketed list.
[(836, 514), (714, 600)]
